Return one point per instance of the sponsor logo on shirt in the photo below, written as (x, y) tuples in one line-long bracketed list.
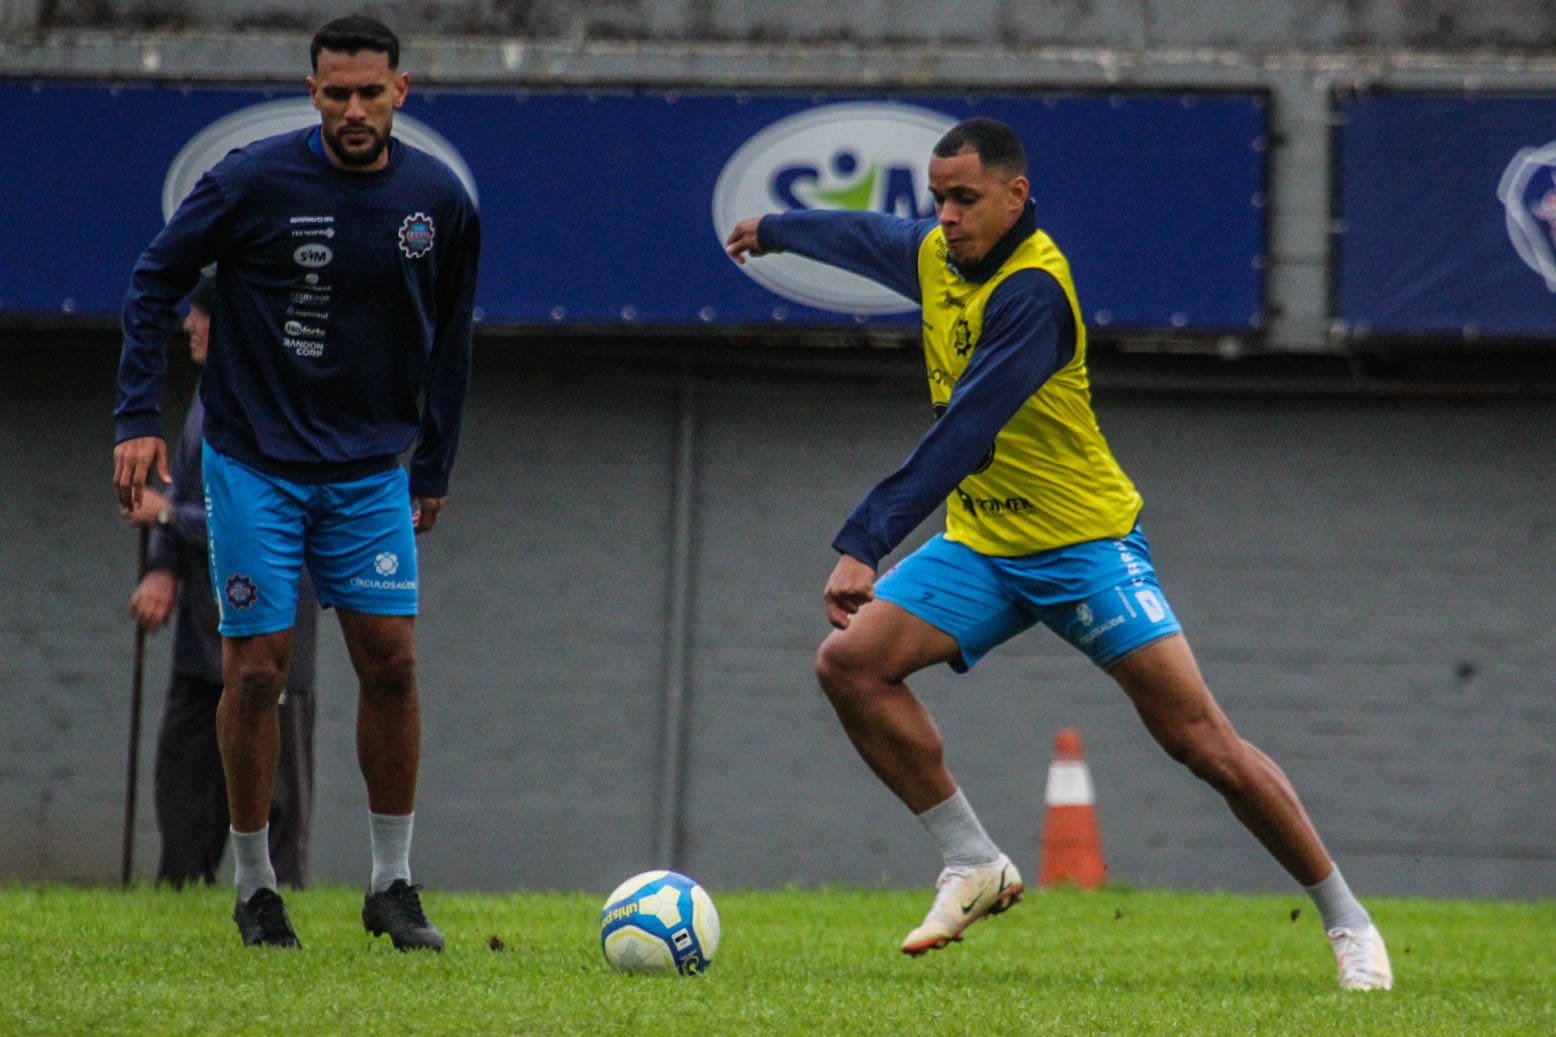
[(312, 255)]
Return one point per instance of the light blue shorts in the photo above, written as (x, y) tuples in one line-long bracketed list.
[(1100, 596), (356, 538)]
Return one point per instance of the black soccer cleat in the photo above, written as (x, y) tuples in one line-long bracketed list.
[(397, 911), (262, 922)]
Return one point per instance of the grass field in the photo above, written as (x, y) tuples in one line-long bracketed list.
[(99, 961)]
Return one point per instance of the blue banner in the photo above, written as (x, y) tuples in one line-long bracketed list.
[(1446, 209), (609, 208)]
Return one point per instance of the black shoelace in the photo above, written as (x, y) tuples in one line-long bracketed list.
[(270, 912), (407, 902)]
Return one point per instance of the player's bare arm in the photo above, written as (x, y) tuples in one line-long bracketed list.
[(742, 241), (133, 460), (850, 587)]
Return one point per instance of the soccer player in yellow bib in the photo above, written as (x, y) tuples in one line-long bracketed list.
[(1041, 526)]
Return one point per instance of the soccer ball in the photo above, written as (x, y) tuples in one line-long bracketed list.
[(659, 921)]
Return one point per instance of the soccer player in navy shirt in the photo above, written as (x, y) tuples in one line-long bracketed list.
[(345, 282), (1041, 527)]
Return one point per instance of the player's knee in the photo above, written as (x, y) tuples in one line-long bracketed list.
[(255, 684), (1207, 753), (839, 666), (390, 677)]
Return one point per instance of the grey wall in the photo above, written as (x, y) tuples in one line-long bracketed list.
[(1254, 25), (1363, 580)]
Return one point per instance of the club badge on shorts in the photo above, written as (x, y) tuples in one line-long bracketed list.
[(416, 234), (241, 591)]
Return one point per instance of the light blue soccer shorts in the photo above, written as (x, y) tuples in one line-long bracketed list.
[(356, 538), (1101, 596)]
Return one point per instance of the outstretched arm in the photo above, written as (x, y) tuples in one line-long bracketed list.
[(876, 245), (743, 241)]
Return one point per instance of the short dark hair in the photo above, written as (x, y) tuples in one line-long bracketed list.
[(997, 145), (353, 33)]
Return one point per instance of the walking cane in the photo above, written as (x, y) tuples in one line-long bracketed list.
[(135, 696)]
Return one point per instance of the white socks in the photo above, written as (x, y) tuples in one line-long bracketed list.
[(958, 833), (251, 862), (391, 834)]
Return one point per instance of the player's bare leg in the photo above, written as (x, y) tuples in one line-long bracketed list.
[(248, 730), (1164, 683), (248, 726), (383, 653), (863, 670)]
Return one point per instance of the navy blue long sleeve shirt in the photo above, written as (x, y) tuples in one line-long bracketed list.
[(343, 312)]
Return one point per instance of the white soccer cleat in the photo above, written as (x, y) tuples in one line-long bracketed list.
[(965, 895), (1363, 960)]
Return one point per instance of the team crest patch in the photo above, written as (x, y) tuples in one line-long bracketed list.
[(416, 235), (961, 337), (241, 591), (1528, 193)]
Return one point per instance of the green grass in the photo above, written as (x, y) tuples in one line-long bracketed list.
[(99, 961)]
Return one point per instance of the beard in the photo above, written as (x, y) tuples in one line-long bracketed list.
[(360, 156)]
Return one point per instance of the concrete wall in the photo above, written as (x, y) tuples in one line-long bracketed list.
[(1255, 25), (1362, 579)]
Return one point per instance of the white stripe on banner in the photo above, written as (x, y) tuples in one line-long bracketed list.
[(1069, 785)]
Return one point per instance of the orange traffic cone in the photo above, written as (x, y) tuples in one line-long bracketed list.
[(1072, 848)]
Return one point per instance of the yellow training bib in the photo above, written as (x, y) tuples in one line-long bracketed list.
[(1050, 480)]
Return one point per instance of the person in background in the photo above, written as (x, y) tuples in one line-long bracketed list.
[(190, 788)]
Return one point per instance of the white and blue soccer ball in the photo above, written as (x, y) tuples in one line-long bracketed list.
[(659, 922)]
